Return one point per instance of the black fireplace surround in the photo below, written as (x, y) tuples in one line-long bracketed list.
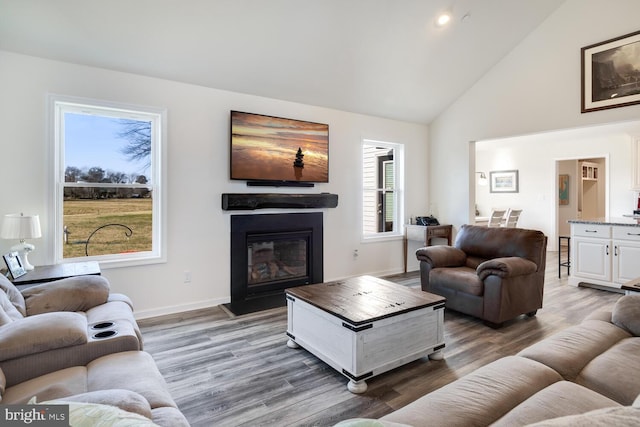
[(272, 252)]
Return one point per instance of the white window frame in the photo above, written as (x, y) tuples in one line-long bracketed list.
[(398, 161), (57, 106)]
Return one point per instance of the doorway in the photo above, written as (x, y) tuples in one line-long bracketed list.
[(581, 190)]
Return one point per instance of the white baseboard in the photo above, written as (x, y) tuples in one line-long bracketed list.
[(162, 311)]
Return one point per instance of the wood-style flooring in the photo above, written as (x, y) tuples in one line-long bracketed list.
[(237, 371)]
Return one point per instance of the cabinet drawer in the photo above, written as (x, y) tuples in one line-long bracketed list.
[(627, 233), (416, 232), (590, 230)]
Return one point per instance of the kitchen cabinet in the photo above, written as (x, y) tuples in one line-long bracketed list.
[(604, 254), (626, 253)]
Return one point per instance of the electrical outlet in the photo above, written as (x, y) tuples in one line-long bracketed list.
[(187, 276)]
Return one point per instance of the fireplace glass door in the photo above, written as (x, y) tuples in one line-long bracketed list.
[(273, 258)]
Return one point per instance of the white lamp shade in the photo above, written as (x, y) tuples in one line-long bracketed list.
[(21, 227)]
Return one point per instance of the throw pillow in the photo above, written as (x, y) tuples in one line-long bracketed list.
[(99, 415), (626, 314), (78, 293)]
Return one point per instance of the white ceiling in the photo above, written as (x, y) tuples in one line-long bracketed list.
[(378, 57)]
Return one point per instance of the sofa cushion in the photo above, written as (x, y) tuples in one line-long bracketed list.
[(626, 314), (461, 279), (441, 256), (9, 311), (479, 398), (571, 349), (4, 317), (616, 372), (37, 334), (55, 385), (14, 294), (558, 400), (78, 293), (506, 267), (623, 416), (134, 370), (168, 416), (497, 242)]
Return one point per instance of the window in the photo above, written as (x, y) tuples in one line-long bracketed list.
[(107, 195), (382, 198)]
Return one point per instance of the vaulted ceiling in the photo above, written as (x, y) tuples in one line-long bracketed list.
[(384, 58)]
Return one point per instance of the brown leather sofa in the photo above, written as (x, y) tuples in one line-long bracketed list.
[(495, 274)]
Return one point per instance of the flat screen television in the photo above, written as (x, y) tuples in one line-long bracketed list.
[(268, 150)]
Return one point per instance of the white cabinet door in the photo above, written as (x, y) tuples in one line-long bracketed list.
[(626, 265), (592, 259)]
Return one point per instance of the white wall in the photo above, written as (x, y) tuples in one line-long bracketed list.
[(536, 88), (535, 157), (198, 133)]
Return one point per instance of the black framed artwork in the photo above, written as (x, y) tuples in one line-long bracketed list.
[(609, 71)]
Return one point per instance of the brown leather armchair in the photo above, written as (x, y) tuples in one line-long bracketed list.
[(495, 274)]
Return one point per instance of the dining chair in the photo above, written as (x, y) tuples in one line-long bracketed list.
[(497, 218), (512, 218)]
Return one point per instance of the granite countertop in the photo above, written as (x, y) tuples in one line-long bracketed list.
[(628, 220)]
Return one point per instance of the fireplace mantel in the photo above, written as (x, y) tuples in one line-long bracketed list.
[(252, 201)]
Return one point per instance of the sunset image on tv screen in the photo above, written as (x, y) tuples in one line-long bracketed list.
[(278, 149)]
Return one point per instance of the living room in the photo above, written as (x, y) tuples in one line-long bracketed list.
[(199, 126), (534, 89)]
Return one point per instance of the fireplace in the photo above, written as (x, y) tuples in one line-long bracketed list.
[(270, 253)]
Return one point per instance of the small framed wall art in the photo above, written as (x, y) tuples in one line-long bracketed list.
[(610, 76), (503, 181), (563, 189), (14, 264)]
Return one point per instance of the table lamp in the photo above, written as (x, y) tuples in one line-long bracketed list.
[(22, 227)]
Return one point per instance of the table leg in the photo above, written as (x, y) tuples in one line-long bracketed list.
[(357, 387), (438, 355), (406, 247)]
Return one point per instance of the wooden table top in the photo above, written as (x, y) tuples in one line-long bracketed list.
[(364, 299), (632, 285), (49, 273)]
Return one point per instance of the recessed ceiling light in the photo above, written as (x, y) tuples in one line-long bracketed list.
[(443, 19)]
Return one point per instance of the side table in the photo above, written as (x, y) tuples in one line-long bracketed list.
[(49, 273), (424, 234), (632, 287)]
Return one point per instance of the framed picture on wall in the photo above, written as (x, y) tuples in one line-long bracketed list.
[(503, 181), (563, 190), (610, 73)]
